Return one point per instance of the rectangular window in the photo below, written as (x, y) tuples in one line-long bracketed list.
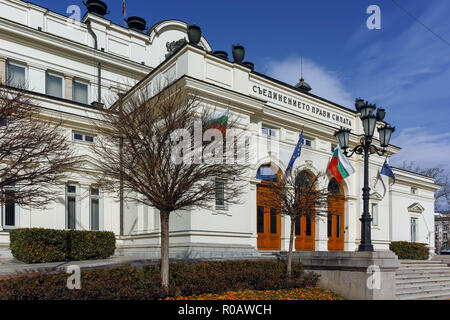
[(80, 91), (413, 230), (298, 229), (307, 142), (71, 206), (308, 226), (271, 132), (54, 85), (16, 75), (77, 136), (330, 225), (95, 209), (273, 221), (374, 214), (333, 147), (260, 222), (10, 209), (220, 194)]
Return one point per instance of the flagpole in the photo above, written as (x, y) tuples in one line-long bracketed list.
[(124, 11)]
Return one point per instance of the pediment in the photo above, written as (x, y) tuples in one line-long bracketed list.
[(376, 196), (416, 208)]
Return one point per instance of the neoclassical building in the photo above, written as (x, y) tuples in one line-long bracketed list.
[(72, 70)]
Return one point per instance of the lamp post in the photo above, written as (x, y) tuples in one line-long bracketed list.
[(366, 148)]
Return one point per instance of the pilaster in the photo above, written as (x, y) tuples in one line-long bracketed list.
[(68, 82)]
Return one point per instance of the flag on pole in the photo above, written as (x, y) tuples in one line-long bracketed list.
[(387, 171), (218, 122), (297, 153), (339, 166), (124, 10)]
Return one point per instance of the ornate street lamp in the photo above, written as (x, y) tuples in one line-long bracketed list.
[(366, 148)]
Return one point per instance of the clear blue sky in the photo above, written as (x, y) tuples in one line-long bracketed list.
[(402, 67)]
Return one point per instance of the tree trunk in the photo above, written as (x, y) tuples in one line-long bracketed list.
[(291, 247), (165, 251)]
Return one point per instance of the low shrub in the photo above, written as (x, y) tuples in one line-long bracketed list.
[(39, 245), (131, 283), (410, 251), (91, 245), (45, 245)]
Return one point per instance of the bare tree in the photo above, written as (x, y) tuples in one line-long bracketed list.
[(34, 151), (297, 194), (150, 146), (441, 178)]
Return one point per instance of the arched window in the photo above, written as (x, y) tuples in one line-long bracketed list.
[(265, 173), (303, 180), (334, 187)]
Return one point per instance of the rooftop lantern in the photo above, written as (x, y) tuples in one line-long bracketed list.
[(96, 6), (137, 24), (194, 34), (303, 86)]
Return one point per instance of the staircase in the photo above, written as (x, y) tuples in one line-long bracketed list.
[(423, 280)]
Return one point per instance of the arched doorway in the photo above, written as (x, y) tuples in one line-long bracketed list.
[(305, 227), (268, 217), (336, 215)]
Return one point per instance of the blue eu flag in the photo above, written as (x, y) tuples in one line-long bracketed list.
[(387, 171), (297, 153)]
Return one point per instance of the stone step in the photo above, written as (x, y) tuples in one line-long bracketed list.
[(418, 288), (418, 276), (425, 296), (422, 280), (423, 266), (418, 262), (429, 270)]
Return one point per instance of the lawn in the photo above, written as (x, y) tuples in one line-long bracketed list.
[(309, 293)]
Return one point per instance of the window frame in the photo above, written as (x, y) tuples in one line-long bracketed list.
[(84, 135), (308, 139), (54, 74), (224, 206), (16, 213), (98, 197), (270, 130), (416, 231), (76, 196), (88, 89), (16, 64)]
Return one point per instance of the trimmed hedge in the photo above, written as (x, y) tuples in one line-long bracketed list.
[(410, 251), (143, 283), (45, 245)]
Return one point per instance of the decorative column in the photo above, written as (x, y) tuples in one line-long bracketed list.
[(68, 81), (2, 69)]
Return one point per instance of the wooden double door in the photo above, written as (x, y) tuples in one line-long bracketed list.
[(305, 234), (268, 220), (336, 215)]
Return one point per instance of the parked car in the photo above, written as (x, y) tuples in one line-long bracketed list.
[(445, 252)]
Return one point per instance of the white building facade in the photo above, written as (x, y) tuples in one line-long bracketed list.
[(73, 70)]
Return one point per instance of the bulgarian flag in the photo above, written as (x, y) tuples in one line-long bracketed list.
[(339, 166), (218, 122)]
